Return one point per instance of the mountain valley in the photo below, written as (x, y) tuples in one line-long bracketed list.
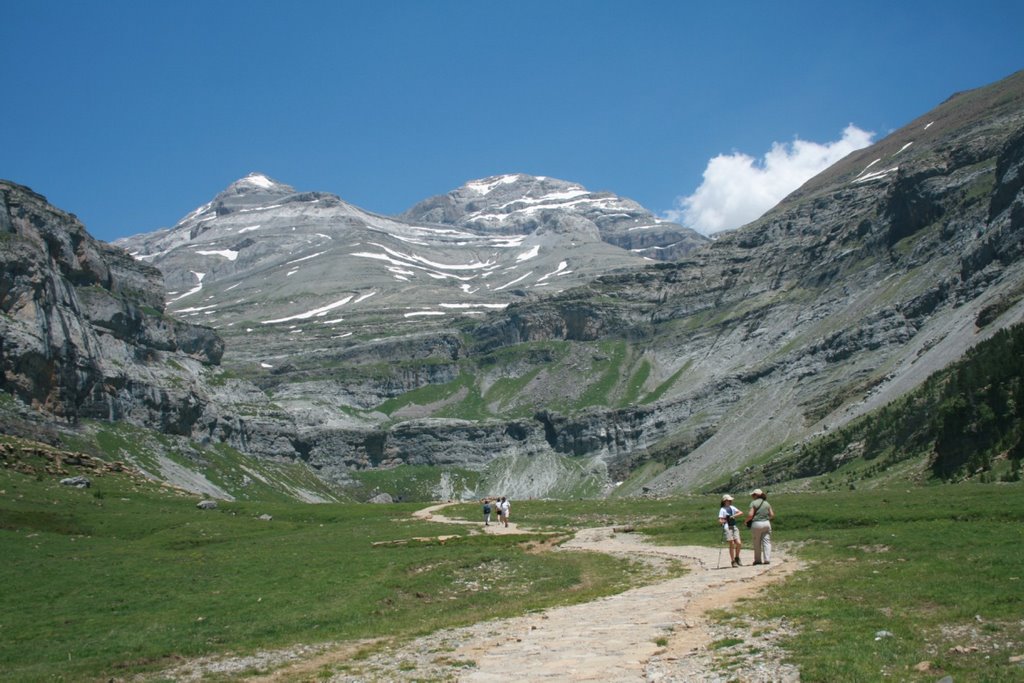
[(519, 334)]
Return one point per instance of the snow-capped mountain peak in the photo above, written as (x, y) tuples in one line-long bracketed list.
[(257, 180), (256, 184), (261, 252), (485, 186), (523, 204)]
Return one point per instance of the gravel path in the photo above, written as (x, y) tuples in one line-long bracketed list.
[(655, 633)]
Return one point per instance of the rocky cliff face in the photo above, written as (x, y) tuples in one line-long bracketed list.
[(83, 334)]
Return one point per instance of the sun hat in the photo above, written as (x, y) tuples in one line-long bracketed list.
[(757, 492), (727, 497)]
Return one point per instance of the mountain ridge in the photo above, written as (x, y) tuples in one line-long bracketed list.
[(668, 377), (211, 239)]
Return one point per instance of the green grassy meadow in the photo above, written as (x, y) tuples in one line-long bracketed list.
[(128, 577)]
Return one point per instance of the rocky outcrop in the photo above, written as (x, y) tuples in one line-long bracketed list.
[(82, 330), (578, 317)]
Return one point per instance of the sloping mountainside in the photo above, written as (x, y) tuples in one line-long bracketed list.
[(303, 281), (851, 292), (964, 421), (449, 338)]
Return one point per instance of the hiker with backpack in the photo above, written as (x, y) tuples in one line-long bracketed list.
[(727, 518)]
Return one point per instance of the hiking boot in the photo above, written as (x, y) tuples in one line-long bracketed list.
[(738, 563)]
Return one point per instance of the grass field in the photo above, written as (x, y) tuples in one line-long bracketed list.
[(128, 577)]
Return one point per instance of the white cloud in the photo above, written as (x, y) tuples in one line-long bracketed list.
[(738, 188)]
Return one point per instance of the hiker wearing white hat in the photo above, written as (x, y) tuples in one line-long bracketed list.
[(759, 521), (727, 518)]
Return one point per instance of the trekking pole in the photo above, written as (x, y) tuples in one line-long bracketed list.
[(721, 544)]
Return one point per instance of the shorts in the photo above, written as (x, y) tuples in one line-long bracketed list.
[(732, 533)]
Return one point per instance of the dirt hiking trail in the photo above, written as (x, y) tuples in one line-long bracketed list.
[(617, 638), (655, 633)]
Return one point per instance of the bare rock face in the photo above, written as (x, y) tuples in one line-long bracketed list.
[(83, 332)]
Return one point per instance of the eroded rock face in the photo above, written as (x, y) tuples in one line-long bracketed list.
[(82, 330)]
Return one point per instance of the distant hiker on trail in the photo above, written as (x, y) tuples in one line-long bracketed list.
[(727, 518), (759, 519), (487, 512), (503, 510)]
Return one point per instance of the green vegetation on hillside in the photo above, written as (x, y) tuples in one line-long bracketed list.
[(964, 421), (660, 390), (212, 467), (500, 384), (431, 394), (414, 482)]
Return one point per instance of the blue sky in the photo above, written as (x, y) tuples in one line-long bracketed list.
[(130, 114)]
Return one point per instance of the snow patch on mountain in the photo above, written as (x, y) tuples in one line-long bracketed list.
[(901, 149), (397, 258), (322, 311), (509, 284), (487, 185), (498, 307), (195, 290), (226, 253), (877, 175), (561, 270), (527, 255), (258, 180), (306, 258)]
